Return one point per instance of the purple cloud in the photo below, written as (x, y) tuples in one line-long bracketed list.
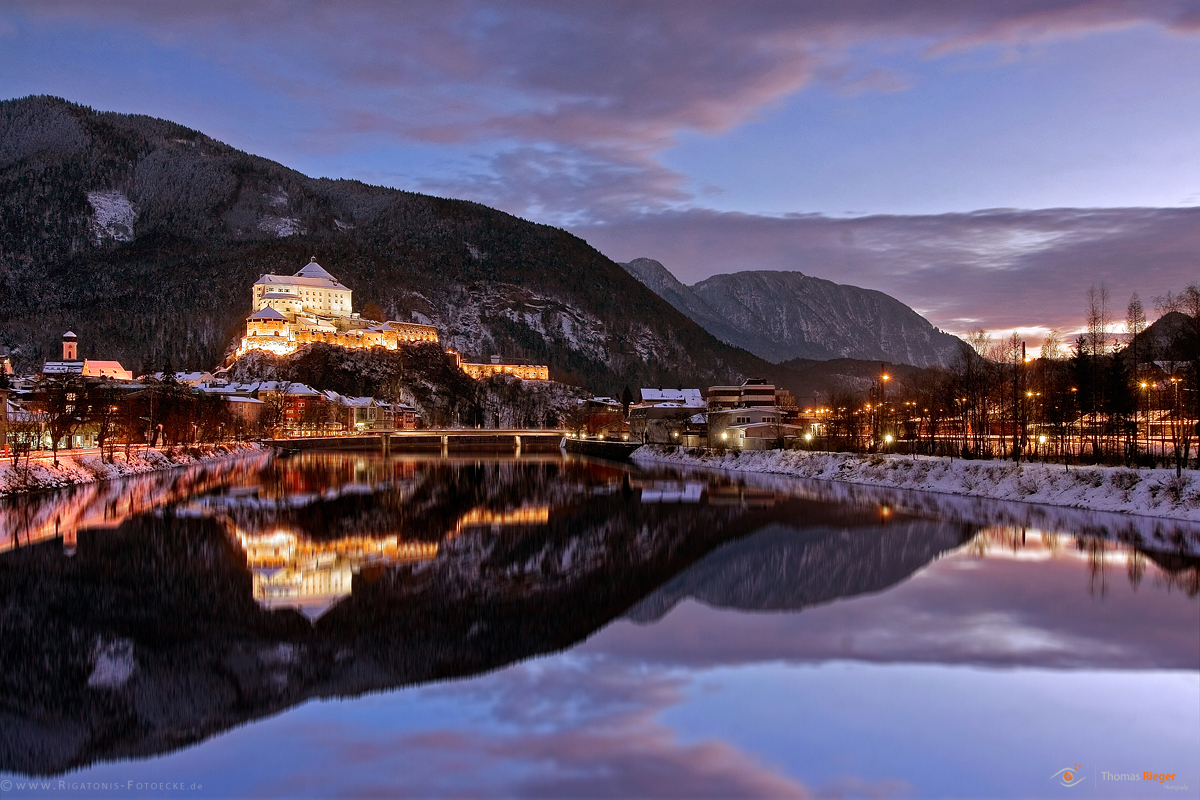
[(605, 86)]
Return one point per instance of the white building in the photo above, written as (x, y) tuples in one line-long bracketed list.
[(312, 290)]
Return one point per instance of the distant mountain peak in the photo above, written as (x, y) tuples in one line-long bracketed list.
[(783, 315)]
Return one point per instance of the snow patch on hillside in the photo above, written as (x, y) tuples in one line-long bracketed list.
[(342, 226), (113, 216), (281, 226)]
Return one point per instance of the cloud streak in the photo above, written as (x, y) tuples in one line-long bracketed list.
[(1000, 269)]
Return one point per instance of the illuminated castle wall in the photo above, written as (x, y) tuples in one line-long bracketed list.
[(312, 306)]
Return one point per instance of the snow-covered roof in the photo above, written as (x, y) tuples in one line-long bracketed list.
[(63, 368), (298, 280), (281, 296), (687, 397), (314, 270), (267, 313), (237, 399), (69, 335), (357, 402)]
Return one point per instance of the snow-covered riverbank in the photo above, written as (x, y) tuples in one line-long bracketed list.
[(74, 468), (1149, 492)]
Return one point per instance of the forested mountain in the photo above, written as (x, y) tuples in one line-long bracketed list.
[(787, 315), (144, 238)]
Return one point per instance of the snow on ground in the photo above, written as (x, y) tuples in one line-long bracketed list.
[(1149, 492), (280, 226), (42, 474), (114, 215)]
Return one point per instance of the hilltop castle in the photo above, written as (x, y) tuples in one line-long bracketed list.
[(313, 306), (290, 311)]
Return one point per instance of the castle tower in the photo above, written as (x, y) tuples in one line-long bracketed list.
[(70, 347)]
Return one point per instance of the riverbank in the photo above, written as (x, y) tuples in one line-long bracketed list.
[(1148, 492), (74, 468)]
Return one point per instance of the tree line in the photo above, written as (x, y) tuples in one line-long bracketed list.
[(1105, 397)]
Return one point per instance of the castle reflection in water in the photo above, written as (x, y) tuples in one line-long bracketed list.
[(290, 567), (291, 570)]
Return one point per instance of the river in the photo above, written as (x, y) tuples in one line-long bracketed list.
[(354, 625)]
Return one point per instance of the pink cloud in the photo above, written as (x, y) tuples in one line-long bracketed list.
[(552, 729)]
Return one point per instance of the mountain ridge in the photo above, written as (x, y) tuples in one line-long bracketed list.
[(144, 237)]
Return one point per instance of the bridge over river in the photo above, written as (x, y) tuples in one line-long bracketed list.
[(444, 441)]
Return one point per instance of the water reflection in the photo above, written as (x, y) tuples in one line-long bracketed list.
[(226, 599), (29, 519)]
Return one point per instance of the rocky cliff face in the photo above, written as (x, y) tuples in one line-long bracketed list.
[(786, 315)]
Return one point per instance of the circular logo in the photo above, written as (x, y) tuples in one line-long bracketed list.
[(5, 785)]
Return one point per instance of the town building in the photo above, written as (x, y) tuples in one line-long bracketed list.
[(88, 368), (753, 428), (682, 397), (752, 392), (599, 417)]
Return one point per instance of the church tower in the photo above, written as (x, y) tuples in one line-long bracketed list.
[(70, 347)]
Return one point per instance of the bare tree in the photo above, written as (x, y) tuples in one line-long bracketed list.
[(1099, 320), (1135, 318), (1135, 323), (274, 410), (1168, 303), (1053, 347), (980, 341), (63, 404)]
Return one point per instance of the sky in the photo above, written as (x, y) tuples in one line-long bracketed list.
[(985, 162)]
